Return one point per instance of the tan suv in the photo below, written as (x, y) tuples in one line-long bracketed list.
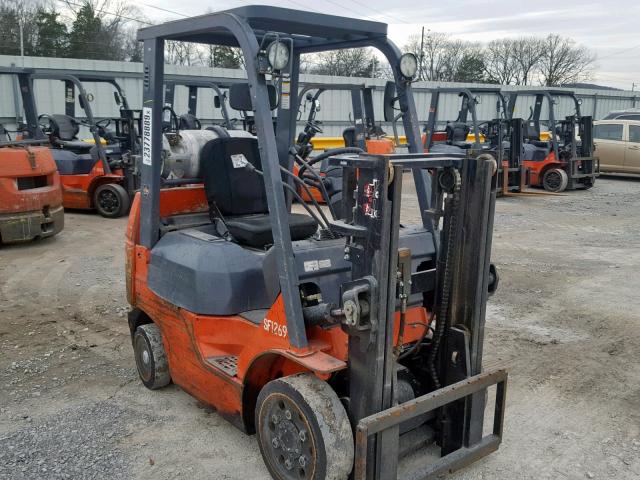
[(618, 145)]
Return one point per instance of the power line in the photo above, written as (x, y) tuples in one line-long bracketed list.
[(621, 51), (368, 7)]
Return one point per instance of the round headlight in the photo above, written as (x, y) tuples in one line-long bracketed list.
[(278, 55), (408, 65)]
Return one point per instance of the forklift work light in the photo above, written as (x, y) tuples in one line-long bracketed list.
[(278, 55), (408, 65)]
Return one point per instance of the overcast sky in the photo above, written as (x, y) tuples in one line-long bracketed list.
[(611, 28)]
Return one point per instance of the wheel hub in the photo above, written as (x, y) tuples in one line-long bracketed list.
[(291, 445), (108, 201)]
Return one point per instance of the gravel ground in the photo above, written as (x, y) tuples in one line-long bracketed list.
[(564, 322)]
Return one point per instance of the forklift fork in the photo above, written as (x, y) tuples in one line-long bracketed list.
[(467, 454)]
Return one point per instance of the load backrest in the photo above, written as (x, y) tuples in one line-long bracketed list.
[(229, 186)]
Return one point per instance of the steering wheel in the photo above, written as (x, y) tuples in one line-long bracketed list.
[(173, 125), (104, 123), (315, 127), (50, 126), (326, 154)]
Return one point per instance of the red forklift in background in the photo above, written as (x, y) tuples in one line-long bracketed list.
[(343, 344), (30, 193), (566, 161), (97, 174)]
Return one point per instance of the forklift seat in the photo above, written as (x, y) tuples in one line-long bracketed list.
[(239, 195), (457, 132), (349, 136)]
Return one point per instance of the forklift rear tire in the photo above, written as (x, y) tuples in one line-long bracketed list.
[(111, 200), (303, 430), (555, 180), (151, 358)]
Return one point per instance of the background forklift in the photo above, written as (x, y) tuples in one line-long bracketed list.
[(325, 181), (30, 193), (315, 335), (94, 174), (190, 120), (562, 162), (499, 137)]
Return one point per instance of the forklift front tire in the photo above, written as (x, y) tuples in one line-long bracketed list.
[(303, 430), (111, 200), (151, 358), (555, 180)]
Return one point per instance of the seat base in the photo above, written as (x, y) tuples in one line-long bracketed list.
[(255, 230)]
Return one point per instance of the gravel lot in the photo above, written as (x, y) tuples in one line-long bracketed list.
[(565, 322)]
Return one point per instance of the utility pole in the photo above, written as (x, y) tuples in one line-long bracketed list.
[(633, 86), (21, 42), (421, 54)]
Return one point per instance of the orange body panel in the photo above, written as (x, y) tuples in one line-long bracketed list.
[(77, 190), (263, 350), (537, 169), (380, 146), (15, 163)]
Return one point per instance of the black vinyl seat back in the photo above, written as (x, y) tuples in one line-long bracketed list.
[(349, 136), (457, 132), (64, 127), (228, 184), (240, 97)]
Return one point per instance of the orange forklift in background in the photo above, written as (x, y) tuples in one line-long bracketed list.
[(343, 344), (566, 160), (98, 174), (30, 193)]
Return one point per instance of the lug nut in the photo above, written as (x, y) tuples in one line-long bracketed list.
[(303, 436), (288, 464), (275, 419), (287, 414), (302, 461), (275, 442)]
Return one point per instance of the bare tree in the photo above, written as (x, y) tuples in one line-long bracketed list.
[(500, 63), (352, 62), (183, 53), (527, 53), (564, 62)]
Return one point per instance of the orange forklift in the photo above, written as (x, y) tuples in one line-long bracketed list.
[(566, 160), (30, 193), (342, 344), (96, 174)]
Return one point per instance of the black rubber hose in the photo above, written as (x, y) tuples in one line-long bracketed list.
[(327, 154), (251, 168), (320, 185), (306, 189), (443, 303)]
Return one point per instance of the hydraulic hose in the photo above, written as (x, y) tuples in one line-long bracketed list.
[(319, 184), (446, 262), (327, 154), (308, 192), (251, 168)]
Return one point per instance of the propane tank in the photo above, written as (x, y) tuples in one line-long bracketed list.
[(181, 151)]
